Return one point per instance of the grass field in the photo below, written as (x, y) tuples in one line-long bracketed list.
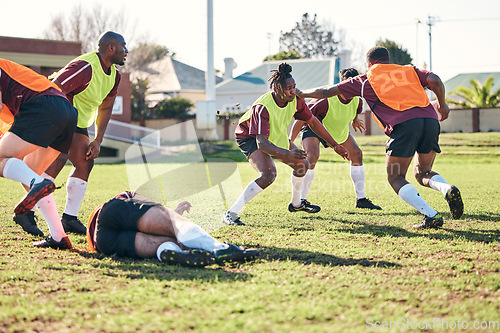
[(341, 270)]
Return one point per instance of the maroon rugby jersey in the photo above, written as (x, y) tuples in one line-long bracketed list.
[(258, 123)]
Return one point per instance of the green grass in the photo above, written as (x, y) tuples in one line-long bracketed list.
[(336, 271)]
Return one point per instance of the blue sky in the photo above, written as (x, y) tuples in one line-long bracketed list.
[(465, 35)]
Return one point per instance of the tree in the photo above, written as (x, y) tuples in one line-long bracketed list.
[(138, 106), (85, 25), (145, 53), (397, 53), (284, 55), (309, 39), (480, 96), (176, 107)]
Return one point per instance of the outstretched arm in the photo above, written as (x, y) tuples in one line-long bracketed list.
[(321, 92)]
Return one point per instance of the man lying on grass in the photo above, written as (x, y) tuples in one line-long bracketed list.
[(130, 225)]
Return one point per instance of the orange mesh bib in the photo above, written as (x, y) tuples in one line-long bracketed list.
[(397, 86), (26, 76), (6, 120)]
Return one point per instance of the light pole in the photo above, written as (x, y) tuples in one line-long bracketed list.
[(431, 20), (269, 36), (417, 21)]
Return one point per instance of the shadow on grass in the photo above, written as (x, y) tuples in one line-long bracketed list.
[(152, 269), (445, 233), (323, 259)]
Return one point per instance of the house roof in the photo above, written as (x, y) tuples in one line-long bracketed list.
[(464, 80), (168, 75), (308, 73)]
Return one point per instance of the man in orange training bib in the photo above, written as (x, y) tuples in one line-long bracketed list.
[(398, 100), (43, 126)]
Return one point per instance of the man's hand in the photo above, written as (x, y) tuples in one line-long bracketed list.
[(297, 154), (342, 151), (182, 207), (298, 93), (93, 150), (358, 125)]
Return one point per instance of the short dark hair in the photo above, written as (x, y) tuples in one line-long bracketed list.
[(377, 54), (346, 73)]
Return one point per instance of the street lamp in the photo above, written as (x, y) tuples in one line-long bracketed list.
[(431, 20), (417, 21)]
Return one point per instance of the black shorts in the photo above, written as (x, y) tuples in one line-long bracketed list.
[(46, 121), (415, 135), (247, 145), (117, 225), (83, 131), (307, 132)]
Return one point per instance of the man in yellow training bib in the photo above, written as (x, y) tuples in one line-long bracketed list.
[(336, 113)]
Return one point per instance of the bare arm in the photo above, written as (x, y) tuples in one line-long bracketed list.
[(321, 92), (272, 150), (297, 125), (437, 86), (103, 117), (321, 131)]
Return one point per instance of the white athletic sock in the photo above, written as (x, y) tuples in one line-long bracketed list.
[(410, 194), (439, 184), (48, 209), (358, 180), (248, 194), (296, 190), (16, 169), (193, 236), (306, 184), (46, 176), (75, 191), (171, 246)]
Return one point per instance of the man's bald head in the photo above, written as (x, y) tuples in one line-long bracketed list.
[(109, 37), (112, 48)]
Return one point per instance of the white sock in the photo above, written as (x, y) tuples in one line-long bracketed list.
[(248, 194), (75, 191), (16, 169), (171, 246), (48, 209), (358, 180), (439, 184), (296, 190), (193, 236), (306, 184), (410, 194), (46, 176)]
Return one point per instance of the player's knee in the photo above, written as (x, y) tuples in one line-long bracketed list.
[(312, 157), (301, 168), (356, 156)]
